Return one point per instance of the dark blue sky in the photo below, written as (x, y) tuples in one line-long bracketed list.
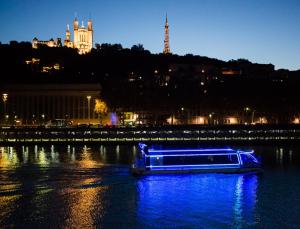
[(263, 31)]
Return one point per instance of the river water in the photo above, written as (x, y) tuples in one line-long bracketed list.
[(91, 187)]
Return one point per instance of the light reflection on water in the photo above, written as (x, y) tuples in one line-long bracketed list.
[(188, 200), (55, 155), (90, 186), (83, 204)]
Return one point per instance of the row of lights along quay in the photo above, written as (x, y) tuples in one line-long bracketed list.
[(204, 134)]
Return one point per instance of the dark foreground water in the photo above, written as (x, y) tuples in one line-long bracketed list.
[(82, 187)]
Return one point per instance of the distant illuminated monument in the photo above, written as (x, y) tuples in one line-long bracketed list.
[(166, 41), (67, 42), (83, 38)]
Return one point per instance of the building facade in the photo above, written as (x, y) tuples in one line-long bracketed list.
[(83, 37), (82, 40), (50, 43), (38, 103)]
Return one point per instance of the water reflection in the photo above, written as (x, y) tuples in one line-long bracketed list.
[(25, 153), (90, 186), (84, 205), (83, 156), (8, 157), (68, 181), (229, 200), (290, 156), (245, 200), (87, 159)]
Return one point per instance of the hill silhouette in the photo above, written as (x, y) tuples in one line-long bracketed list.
[(135, 79)]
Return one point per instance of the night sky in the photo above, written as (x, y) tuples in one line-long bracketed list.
[(263, 31)]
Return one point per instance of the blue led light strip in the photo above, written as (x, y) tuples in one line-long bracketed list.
[(188, 150), (246, 152), (189, 155), (254, 158), (204, 165), (141, 145), (239, 159)]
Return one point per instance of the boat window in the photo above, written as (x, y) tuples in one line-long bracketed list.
[(156, 160), (194, 160)]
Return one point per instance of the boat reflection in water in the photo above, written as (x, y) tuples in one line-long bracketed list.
[(207, 200)]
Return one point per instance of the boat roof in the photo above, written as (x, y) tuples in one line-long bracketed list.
[(197, 151)]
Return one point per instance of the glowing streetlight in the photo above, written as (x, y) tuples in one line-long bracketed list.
[(4, 99), (245, 115), (89, 104), (43, 118), (252, 117), (211, 120)]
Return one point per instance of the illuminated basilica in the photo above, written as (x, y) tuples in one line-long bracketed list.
[(83, 38)]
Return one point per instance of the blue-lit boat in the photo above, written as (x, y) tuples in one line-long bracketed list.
[(194, 160)]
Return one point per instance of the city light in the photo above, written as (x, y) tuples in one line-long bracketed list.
[(4, 97), (89, 108), (296, 121)]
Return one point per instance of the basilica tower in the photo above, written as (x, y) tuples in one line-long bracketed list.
[(83, 37), (75, 25), (90, 34), (68, 34), (166, 41), (67, 41)]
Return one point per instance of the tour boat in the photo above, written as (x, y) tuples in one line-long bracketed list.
[(158, 160)]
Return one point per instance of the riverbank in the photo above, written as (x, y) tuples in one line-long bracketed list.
[(192, 133)]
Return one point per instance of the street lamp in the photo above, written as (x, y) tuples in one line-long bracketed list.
[(43, 118), (89, 110), (4, 99), (252, 117), (210, 118), (183, 118), (246, 115)]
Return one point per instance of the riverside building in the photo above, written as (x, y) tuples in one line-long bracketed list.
[(36, 103)]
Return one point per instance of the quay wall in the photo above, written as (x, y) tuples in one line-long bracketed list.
[(190, 133)]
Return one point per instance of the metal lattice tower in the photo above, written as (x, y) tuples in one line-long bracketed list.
[(166, 41)]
